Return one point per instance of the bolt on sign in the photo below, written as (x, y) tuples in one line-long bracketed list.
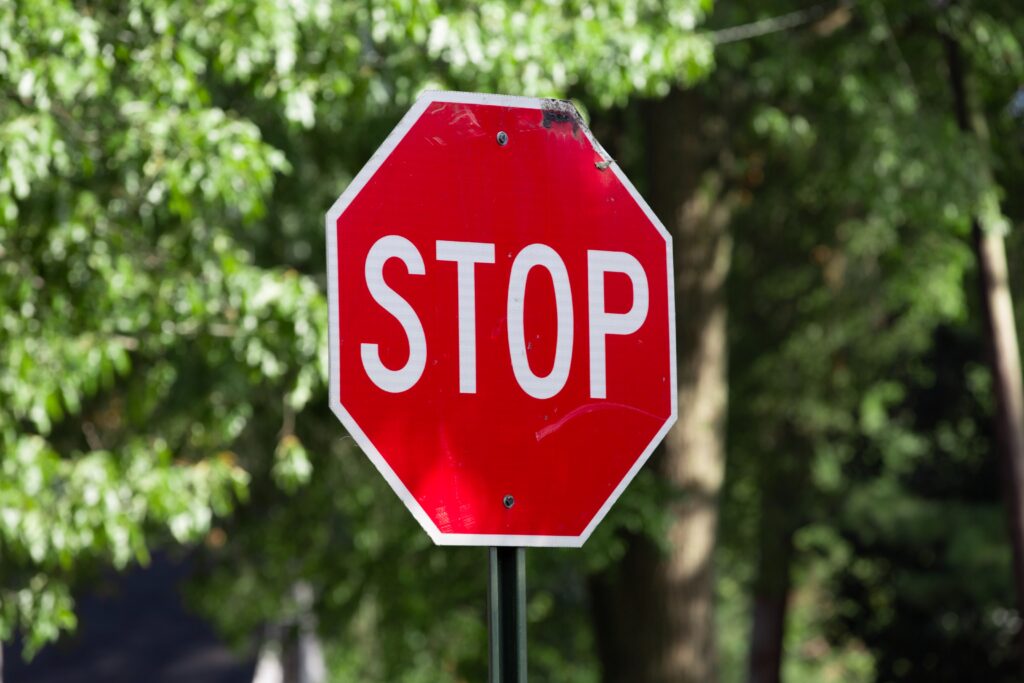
[(502, 337)]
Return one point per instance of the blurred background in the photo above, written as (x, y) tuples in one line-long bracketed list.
[(841, 499)]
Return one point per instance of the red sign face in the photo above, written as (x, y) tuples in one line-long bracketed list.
[(502, 320)]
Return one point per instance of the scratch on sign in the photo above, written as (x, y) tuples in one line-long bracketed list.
[(589, 408)]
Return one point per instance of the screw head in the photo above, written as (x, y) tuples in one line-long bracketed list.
[(508, 502), (502, 138)]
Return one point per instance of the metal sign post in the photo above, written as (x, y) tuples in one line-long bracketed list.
[(506, 611)]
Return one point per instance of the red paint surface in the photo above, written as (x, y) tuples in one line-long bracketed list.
[(460, 454)]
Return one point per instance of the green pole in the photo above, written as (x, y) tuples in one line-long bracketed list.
[(506, 609)]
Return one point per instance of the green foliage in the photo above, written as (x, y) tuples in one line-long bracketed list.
[(137, 338), (163, 171), (859, 190), (609, 51), (164, 168)]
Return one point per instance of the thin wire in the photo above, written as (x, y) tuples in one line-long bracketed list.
[(783, 22)]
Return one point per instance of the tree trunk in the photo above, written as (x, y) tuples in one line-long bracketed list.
[(1004, 361), (1001, 333), (783, 478), (771, 596), (767, 636), (654, 612)]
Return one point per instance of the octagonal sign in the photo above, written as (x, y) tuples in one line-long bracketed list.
[(502, 340)]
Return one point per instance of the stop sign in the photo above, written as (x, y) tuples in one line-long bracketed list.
[(502, 339)]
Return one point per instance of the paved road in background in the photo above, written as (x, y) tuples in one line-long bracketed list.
[(134, 628)]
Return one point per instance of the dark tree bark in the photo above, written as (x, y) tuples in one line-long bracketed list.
[(783, 478), (1001, 335), (654, 612), (767, 635)]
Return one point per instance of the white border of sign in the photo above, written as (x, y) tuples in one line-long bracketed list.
[(353, 189)]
